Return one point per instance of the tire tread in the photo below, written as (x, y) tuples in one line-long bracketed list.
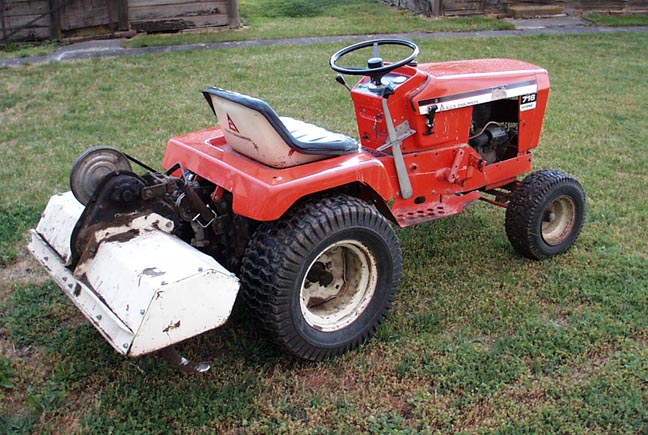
[(525, 204), (277, 251)]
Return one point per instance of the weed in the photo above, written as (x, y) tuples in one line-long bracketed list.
[(6, 373), (47, 398), (19, 424)]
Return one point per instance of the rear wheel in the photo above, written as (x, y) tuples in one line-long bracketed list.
[(322, 280), (545, 214)]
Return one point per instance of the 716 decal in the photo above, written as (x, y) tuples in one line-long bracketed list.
[(528, 102)]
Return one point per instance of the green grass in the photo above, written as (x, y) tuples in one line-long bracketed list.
[(617, 20), (277, 19), (14, 221), (27, 49), (481, 341)]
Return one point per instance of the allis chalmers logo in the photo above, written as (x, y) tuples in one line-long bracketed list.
[(231, 125)]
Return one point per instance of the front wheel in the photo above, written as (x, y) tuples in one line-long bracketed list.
[(322, 280), (545, 214)]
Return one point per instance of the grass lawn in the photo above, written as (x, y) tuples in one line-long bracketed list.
[(27, 49), (617, 20), (481, 341)]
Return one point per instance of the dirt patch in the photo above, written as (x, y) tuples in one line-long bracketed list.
[(25, 270)]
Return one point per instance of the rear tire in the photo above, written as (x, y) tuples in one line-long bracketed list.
[(322, 279), (545, 214)]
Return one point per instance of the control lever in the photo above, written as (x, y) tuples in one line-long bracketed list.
[(429, 120), (340, 80)]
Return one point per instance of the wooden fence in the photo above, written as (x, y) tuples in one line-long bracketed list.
[(484, 7), (54, 19)]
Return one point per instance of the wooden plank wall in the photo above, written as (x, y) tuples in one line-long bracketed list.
[(24, 19), (472, 7), (82, 14), (173, 15), (482, 7), (609, 5)]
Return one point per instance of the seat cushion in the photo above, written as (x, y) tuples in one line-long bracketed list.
[(313, 137)]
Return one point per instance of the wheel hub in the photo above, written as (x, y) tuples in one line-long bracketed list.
[(558, 220), (338, 286), (318, 274)]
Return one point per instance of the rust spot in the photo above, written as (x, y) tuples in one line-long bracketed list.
[(123, 237), (172, 326), (314, 301)]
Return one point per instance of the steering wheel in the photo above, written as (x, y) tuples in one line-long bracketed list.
[(375, 69)]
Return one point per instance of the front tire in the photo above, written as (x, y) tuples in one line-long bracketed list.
[(323, 279), (545, 214)]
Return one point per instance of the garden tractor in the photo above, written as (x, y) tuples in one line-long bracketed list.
[(298, 221)]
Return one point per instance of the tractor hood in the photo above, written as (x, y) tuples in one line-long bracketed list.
[(466, 83)]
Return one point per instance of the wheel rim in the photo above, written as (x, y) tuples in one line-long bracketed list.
[(559, 220), (338, 286)]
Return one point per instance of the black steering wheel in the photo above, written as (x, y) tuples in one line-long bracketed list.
[(375, 65)]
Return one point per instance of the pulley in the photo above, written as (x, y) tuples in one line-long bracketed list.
[(92, 166)]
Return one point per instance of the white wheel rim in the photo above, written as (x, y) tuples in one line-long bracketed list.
[(558, 220), (338, 286)]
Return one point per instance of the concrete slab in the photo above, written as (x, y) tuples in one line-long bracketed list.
[(548, 22), (80, 50)]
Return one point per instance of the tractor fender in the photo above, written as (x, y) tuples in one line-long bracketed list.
[(264, 193)]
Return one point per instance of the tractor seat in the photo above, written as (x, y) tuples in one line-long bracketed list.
[(254, 129)]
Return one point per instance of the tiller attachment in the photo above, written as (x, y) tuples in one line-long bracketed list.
[(121, 262)]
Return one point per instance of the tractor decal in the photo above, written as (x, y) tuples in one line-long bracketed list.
[(231, 125), (480, 96), (528, 102)]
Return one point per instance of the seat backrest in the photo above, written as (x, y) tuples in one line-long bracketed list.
[(253, 129)]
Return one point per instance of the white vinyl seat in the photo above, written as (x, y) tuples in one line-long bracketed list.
[(253, 128)]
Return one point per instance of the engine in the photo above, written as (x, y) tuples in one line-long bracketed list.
[(494, 130)]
